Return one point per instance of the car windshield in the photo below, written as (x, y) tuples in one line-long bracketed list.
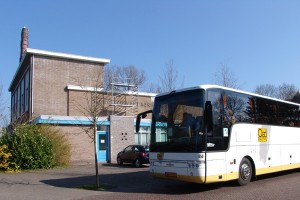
[(177, 122)]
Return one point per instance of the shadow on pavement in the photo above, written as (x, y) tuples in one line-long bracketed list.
[(142, 182), (133, 182)]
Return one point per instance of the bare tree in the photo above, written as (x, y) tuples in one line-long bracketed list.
[(153, 88), (1, 106), (3, 110), (1, 101), (225, 77), (296, 97), (286, 91), (136, 77), (266, 90), (169, 80), (128, 74), (109, 73), (91, 105)]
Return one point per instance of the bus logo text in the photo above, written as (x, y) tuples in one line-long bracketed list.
[(262, 135)]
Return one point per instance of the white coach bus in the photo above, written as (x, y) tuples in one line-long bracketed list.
[(208, 134)]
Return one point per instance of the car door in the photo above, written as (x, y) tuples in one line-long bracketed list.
[(132, 153), (126, 155)]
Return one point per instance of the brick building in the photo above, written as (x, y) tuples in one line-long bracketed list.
[(50, 87)]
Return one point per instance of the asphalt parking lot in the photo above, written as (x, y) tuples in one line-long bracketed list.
[(128, 182), (65, 183)]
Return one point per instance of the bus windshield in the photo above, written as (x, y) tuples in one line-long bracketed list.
[(177, 121)]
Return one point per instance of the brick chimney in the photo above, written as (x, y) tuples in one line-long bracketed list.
[(24, 42)]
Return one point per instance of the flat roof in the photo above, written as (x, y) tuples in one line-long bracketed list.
[(30, 51), (66, 55)]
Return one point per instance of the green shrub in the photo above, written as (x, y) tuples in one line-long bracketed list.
[(5, 160), (4, 156), (33, 147), (61, 146), (29, 148)]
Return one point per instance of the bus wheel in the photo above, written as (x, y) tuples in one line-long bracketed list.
[(245, 172)]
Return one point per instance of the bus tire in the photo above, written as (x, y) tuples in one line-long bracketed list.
[(245, 172)]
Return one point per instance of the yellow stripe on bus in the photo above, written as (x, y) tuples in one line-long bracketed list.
[(225, 177)]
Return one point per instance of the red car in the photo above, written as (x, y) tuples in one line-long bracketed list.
[(137, 154)]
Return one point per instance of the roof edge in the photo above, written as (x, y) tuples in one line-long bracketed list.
[(56, 54), (66, 55), (86, 88)]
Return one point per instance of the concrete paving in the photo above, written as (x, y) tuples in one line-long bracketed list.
[(130, 183), (64, 183)]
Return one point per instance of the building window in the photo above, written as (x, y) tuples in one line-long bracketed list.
[(161, 134), (102, 128), (143, 136), (13, 107), (17, 102), (26, 95), (22, 96), (16, 105)]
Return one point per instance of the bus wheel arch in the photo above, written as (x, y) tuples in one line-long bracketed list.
[(246, 171), (253, 168)]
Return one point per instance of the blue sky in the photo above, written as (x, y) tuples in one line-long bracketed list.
[(258, 40)]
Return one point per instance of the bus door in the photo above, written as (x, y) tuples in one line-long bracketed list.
[(218, 132), (217, 139)]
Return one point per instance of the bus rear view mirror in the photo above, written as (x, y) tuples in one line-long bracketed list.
[(138, 119)]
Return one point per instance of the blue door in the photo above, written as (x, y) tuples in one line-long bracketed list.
[(102, 146)]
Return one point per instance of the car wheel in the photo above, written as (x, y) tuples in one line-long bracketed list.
[(119, 161), (138, 163), (245, 172)]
